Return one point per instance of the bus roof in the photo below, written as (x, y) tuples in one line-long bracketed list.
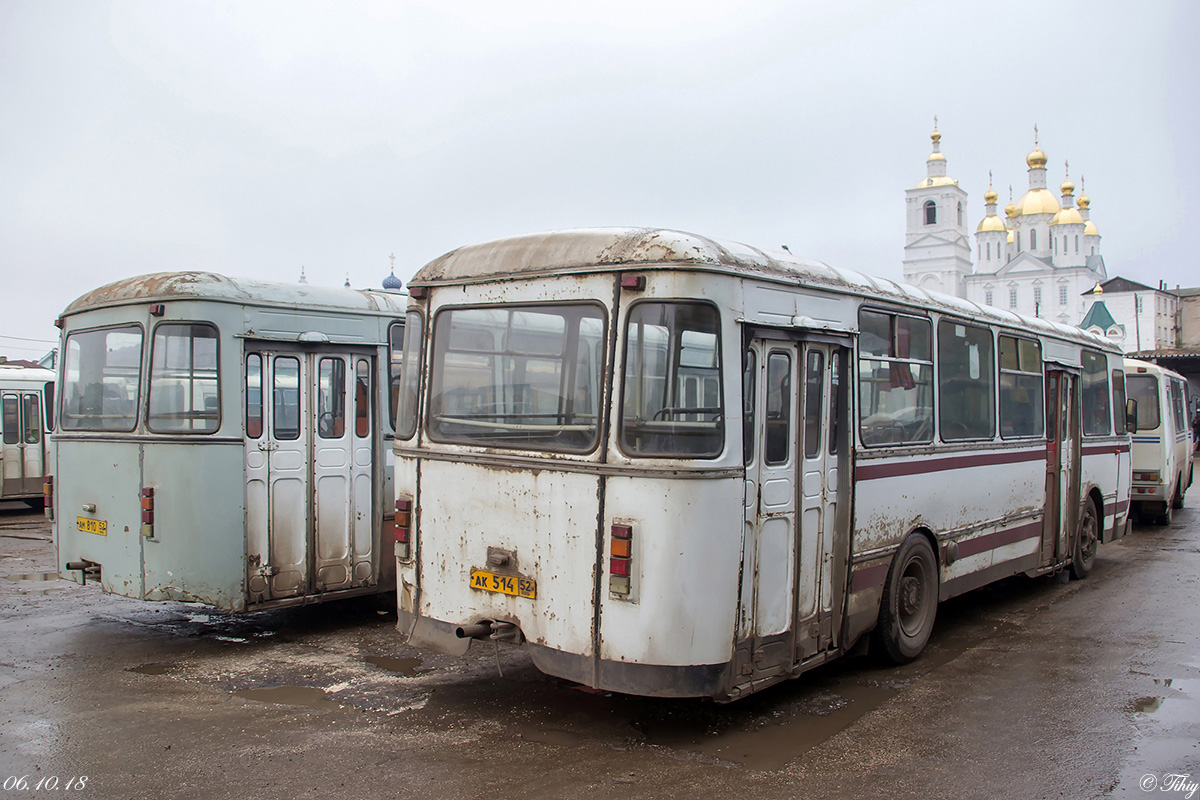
[(164, 286), (14, 373), (615, 249)]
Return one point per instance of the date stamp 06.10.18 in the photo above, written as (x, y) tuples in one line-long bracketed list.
[(44, 783)]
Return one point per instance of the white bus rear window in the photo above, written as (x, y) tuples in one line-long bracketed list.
[(1144, 389), (671, 400), (184, 382), (525, 377)]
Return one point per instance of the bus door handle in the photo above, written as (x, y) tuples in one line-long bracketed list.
[(268, 446)]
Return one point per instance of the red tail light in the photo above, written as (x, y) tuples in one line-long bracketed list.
[(402, 527), (148, 512), (620, 560), (48, 495)]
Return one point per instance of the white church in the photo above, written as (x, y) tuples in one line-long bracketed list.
[(1040, 259)]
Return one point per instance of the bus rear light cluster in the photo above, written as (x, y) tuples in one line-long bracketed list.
[(148, 512), (403, 529), (1146, 476), (620, 559), (48, 495)]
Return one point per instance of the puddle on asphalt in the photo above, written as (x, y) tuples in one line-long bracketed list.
[(290, 695), (152, 669), (404, 666), (33, 576), (1143, 705), (769, 741)]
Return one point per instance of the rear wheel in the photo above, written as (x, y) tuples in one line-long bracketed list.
[(1177, 501), (1167, 514), (910, 600), (1086, 543)]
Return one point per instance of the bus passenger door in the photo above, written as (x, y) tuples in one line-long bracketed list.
[(1062, 466), (772, 464), (820, 477), (23, 447), (277, 474)]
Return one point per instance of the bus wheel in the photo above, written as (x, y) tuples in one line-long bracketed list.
[(1086, 543), (1177, 501), (1168, 513), (910, 601)]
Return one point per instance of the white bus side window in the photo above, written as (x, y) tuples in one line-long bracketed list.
[(254, 403), (1022, 409), (966, 382), (895, 376), (1096, 415)]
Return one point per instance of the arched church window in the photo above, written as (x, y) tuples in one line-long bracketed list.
[(1064, 245), (960, 213), (1033, 239), (989, 252), (930, 212), (1077, 243)]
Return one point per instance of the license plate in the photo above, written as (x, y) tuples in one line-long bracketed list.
[(86, 525), (504, 584)]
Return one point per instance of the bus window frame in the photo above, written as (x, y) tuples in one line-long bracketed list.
[(1039, 407), (135, 417), (621, 351), (149, 378), (858, 355)]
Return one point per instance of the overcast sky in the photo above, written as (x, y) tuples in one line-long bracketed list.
[(252, 138)]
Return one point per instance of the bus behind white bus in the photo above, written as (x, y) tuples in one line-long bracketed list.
[(672, 466), (26, 400), (226, 441), (1162, 443)]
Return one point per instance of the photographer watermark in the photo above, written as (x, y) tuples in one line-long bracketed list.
[(1170, 782)]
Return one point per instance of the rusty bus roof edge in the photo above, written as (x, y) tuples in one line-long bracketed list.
[(218, 288), (576, 251)]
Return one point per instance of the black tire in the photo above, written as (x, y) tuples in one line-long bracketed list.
[(1087, 540), (1177, 500), (1167, 515), (910, 601)]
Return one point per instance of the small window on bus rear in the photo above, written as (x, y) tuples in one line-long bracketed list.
[(404, 379), (895, 379), (185, 388), (1097, 419), (671, 398), (1022, 407), (101, 379)]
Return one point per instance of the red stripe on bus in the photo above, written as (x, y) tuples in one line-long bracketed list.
[(991, 541), (1105, 449), (866, 472), (868, 577)]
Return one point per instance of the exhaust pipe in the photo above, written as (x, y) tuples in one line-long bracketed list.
[(480, 630), (86, 569)]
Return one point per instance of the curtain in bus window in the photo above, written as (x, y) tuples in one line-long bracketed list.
[(254, 401), (895, 378), (1022, 404), (101, 379), (524, 377), (362, 398), (1094, 383), (671, 398), (331, 398), (966, 382), (184, 385)]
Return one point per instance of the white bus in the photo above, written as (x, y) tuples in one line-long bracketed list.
[(1162, 441), (672, 466), (26, 400), (226, 441)]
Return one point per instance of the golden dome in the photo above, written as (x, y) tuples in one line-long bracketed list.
[(1089, 229), (1068, 216), (991, 223), (1067, 187), (1038, 201), (935, 157), (936, 136), (941, 180), (990, 196), (1036, 159), (1010, 210), (1084, 201)]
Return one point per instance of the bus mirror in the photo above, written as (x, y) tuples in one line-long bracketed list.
[(1131, 415)]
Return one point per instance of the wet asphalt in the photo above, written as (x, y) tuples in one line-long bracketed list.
[(1030, 688)]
